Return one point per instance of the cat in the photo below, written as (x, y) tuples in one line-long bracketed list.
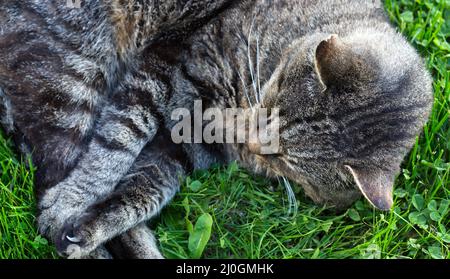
[(90, 93)]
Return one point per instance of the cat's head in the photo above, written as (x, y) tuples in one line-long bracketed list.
[(351, 108)]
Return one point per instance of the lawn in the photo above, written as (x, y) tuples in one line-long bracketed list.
[(227, 213)]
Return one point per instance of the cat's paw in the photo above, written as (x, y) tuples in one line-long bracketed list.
[(56, 208), (72, 248), (75, 241)]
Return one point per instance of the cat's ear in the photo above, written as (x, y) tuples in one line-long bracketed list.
[(333, 60), (375, 184)]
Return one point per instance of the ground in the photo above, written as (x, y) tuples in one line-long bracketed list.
[(226, 213)]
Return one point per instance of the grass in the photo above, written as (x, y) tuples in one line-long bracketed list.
[(226, 213)]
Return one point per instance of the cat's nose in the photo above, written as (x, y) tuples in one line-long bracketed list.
[(384, 204)]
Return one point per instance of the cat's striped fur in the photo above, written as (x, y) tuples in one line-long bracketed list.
[(91, 92)]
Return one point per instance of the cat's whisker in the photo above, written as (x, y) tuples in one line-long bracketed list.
[(293, 207), (257, 69), (250, 61), (245, 90), (244, 86)]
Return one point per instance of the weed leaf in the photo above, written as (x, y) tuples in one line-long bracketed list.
[(200, 236)]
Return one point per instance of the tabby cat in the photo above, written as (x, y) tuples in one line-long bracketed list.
[(90, 92)]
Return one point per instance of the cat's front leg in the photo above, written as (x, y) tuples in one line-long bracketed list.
[(136, 243), (151, 184), (124, 128), (100, 253)]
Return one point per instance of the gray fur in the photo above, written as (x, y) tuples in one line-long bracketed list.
[(137, 243), (6, 117)]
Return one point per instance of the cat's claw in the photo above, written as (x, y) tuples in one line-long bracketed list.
[(71, 244), (73, 239)]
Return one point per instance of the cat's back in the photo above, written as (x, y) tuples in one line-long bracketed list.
[(33, 31)]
